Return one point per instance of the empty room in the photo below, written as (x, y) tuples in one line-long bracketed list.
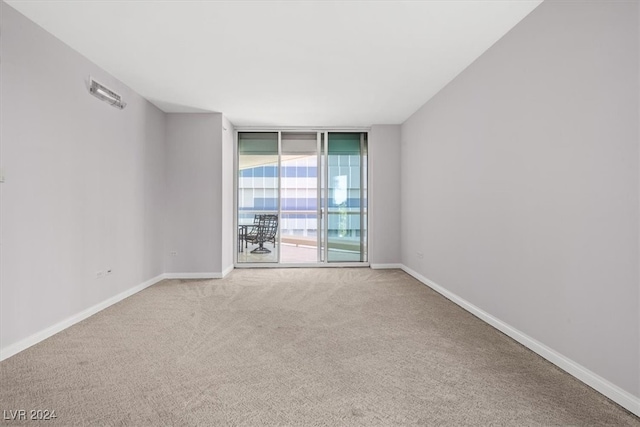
[(320, 213)]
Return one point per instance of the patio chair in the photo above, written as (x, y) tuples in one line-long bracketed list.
[(264, 230)]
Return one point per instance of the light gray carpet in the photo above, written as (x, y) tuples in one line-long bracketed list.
[(295, 347)]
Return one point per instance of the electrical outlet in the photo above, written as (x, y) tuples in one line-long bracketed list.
[(99, 274), (420, 254), (173, 253)]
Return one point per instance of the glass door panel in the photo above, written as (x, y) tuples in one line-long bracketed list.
[(299, 198), (346, 225), (258, 197)]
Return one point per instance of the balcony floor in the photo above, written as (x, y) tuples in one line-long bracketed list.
[(290, 254)]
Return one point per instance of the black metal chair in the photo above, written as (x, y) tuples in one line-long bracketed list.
[(264, 229), (251, 231)]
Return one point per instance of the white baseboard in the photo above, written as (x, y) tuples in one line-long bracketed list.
[(612, 391), (386, 266), (60, 326), (192, 275), (54, 329)]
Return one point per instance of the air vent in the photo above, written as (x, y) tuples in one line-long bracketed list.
[(107, 95)]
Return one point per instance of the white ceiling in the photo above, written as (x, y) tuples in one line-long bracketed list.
[(285, 63)]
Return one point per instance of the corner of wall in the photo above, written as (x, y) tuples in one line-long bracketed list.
[(384, 194)]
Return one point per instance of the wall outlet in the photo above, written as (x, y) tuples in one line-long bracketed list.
[(420, 254), (99, 274), (173, 253)]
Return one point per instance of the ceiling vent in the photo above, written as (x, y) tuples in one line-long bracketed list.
[(104, 93)]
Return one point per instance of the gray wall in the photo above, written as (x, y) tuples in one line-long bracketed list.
[(84, 184), (384, 194), (520, 184), (194, 193)]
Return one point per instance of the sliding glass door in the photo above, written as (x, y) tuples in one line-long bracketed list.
[(312, 186)]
